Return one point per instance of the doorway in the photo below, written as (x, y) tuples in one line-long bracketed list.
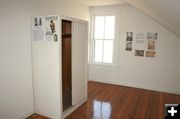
[(67, 64)]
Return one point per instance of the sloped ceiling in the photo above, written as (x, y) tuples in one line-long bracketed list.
[(166, 12)]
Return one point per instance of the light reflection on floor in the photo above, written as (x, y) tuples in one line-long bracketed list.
[(101, 110)]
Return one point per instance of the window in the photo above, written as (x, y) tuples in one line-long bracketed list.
[(103, 39)]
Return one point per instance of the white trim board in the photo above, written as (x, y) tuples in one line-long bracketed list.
[(141, 86), (25, 115), (73, 108)]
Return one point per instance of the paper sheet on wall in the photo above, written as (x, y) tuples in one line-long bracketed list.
[(140, 42), (37, 28), (45, 28), (38, 35), (51, 28)]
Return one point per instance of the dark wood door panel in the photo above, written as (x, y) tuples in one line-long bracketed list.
[(66, 64)]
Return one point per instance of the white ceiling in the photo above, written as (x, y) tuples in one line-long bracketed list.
[(101, 2)]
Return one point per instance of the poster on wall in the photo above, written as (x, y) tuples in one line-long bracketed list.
[(45, 28), (145, 43), (51, 28), (139, 53), (37, 28)]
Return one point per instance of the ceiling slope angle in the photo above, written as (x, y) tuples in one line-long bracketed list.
[(165, 12)]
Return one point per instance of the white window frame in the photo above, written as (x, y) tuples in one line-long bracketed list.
[(115, 43)]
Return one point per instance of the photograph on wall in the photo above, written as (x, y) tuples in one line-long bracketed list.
[(51, 28), (151, 44), (129, 36), (139, 53), (151, 35), (150, 53), (37, 21), (129, 46)]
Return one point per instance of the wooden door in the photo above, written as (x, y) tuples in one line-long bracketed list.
[(66, 64)]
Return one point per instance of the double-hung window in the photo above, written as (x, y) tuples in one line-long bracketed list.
[(103, 39)]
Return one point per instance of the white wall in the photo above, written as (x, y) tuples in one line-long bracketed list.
[(16, 90), (160, 73)]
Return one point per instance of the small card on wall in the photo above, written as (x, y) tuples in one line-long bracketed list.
[(139, 53), (128, 45), (129, 36), (150, 53), (152, 35), (151, 44)]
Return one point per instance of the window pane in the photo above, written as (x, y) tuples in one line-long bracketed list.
[(109, 27), (98, 50), (108, 51), (99, 27)]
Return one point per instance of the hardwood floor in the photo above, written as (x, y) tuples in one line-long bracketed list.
[(107, 101), (37, 116)]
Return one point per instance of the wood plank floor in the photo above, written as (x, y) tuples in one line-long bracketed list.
[(37, 116), (107, 101)]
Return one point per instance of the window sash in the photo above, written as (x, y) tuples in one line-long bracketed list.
[(103, 59), (103, 39)]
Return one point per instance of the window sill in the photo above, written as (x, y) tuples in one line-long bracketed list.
[(104, 65)]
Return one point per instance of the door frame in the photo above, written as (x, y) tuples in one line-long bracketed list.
[(71, 109)]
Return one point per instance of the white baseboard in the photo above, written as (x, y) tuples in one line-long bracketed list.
[(73, 108), (25, 114), (141, 86)]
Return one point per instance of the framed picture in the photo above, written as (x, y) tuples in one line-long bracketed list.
[(151, 44), (129, 46), (129, 36), (139, 53), (150, 53), (152, 35)]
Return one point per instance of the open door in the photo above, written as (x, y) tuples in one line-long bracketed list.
[(66, 64), (74, 63)]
